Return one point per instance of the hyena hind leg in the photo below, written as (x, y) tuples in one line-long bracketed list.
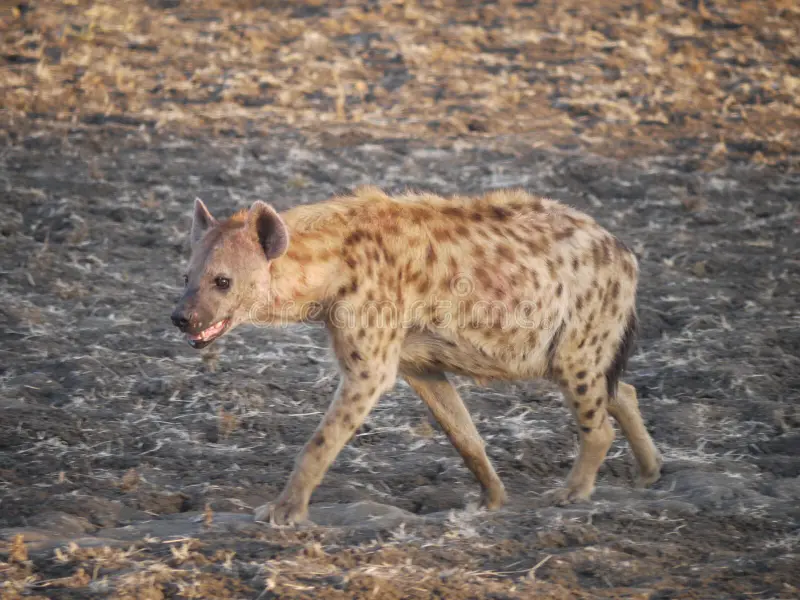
[(587, 399), (624, 407), (449, 410)]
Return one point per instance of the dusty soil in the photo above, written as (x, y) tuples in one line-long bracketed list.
[(130, 463)]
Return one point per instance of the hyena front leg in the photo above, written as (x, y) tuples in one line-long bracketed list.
[(368, 362)]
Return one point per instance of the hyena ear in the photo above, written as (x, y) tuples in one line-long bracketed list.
[(269, 229), (202, 220)]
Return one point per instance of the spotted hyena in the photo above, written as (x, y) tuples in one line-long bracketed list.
[(507, 286)]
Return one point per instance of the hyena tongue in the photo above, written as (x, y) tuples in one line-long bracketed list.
[(207, 333)]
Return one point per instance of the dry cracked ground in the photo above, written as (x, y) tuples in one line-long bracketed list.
[(130, 463)]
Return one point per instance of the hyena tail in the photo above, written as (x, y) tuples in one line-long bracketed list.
[(624, 351)]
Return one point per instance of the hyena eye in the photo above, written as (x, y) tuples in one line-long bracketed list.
[(222, 283)]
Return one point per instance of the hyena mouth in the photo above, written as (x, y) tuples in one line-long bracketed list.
[(208, 335)]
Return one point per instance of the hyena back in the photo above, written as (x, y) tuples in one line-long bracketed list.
[(507, 286)]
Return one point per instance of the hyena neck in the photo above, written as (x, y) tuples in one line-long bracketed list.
[(302, 280), (314, 268)]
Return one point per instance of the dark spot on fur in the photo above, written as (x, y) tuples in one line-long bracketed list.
[(503, 251), (586, 429), (536, 245), (453, 211), (551, 268), (430, 256), (599, 402), (552, 346), (580, 374), (559, 290), (606, 252), (354, 237), (500, 213), (622, 245), (483, 277), (627, 266), (319, 440), (581, 389), (443, 235), (589, 414), (565, 233), (355, 355)]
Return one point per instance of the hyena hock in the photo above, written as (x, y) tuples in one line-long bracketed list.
[(507, 286)]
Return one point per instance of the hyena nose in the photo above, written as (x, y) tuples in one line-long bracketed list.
[(180, 321)]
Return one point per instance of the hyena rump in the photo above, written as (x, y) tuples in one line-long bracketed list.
[(507, 286)]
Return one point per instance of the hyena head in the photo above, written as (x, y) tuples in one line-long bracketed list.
[(229, 270)]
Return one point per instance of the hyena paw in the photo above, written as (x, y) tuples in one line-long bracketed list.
[(650, 474), (282, 513), (564, 496), (494, 498)]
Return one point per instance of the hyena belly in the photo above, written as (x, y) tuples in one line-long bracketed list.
[(520, 355)]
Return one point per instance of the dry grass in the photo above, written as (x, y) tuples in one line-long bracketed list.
[(718, 81)]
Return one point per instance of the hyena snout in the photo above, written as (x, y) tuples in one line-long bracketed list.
[(184, 318), (180, 320)]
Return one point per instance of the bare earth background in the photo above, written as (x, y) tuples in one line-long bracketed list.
[(129, 463)]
